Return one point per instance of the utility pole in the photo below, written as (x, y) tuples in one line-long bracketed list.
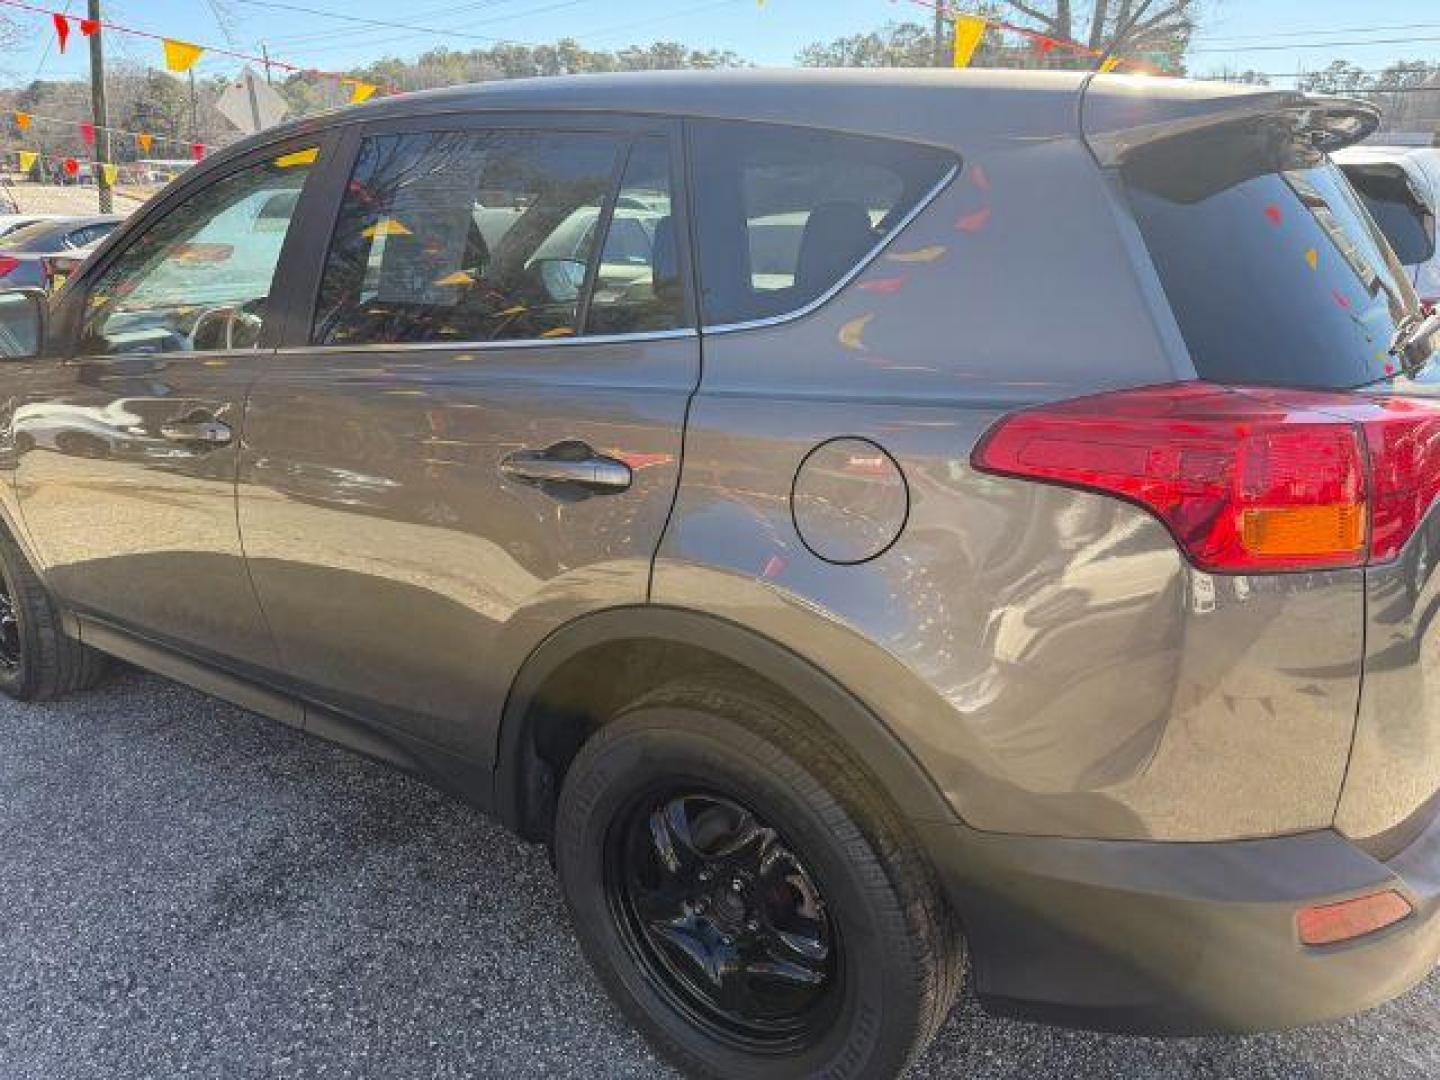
[(194, 111), (265, 52), (942, 50), (101, 117)]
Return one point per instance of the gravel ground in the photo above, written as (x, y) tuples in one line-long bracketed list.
[(189, 890)]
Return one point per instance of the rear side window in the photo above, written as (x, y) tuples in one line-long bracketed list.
[(784, 214), (1275, 272), (496, 236), (1400, 211)]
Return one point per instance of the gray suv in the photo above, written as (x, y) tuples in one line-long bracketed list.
[(862, 521)]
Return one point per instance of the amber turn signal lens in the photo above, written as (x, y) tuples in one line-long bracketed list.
[(1305, 530), (1329, 924)]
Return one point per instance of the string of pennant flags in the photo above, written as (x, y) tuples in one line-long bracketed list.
[(181, 56), (970, 30), (144, 141)]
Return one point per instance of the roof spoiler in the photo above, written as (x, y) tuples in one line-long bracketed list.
[(1118, 115)]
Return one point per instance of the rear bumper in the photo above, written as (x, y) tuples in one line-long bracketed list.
[(1172, 938)]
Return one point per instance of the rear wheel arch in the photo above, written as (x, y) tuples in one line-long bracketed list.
[(583, 673)]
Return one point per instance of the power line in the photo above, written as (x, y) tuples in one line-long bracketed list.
[(1323, 30), (388, 24), (1313, 45)]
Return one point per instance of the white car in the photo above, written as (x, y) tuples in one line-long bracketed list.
[(1401, 188)]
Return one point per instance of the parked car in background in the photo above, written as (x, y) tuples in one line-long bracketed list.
[(1401, 188), (1039, 569), (10, 222), (36, 254)]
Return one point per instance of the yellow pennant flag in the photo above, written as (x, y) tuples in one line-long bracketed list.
[(969, 29), (22, 120), (110, 172), (297, 157), (1110, 64), (143, 140), (27, 160), (360, 91), (181, 55)]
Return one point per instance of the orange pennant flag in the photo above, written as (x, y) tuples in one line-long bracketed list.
[(181, 55), (27, 160), (143, 140), (360, 91), (22, 120), (111, 173), (1110, 64)]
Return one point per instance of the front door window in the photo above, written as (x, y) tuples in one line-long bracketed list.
[(200, 278)]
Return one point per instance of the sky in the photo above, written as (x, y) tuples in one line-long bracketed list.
[(1279, 36)]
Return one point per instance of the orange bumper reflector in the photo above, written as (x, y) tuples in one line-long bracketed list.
[(1328, 924)]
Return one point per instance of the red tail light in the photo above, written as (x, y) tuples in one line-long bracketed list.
[(1245, 480)]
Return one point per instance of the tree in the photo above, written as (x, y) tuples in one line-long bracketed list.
[(906, 44), (1159, 27), (1341, 77)]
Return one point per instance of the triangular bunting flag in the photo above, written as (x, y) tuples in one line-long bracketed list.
[(1043, 45), (181, 55), (71, 166), (87, 132), (22, 120), (27, 160), (1110, 64), (143, 140), (62, 29), (197, 150), (360, 91), (89, 27), (969, 29), (111, 173)]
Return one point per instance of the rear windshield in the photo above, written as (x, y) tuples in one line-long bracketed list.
[(1401, 213), (1275, 272)]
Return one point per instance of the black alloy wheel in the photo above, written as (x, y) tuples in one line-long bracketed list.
[(724, 918), (749, 899), (38, 659), (11, 645)]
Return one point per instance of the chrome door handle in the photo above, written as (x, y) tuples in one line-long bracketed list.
[(209, 432), (562, 464)]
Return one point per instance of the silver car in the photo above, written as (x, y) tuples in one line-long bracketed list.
[(863, 522), (1400, 186)]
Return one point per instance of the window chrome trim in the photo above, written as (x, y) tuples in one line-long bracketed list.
[(511, 343), (859, 268)]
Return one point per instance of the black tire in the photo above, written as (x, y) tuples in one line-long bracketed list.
[(38, 661), (894, 958)]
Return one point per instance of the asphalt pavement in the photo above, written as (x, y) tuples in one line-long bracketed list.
[(188, 890)]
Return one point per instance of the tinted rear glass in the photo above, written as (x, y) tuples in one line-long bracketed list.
[(783, 214), (1275, 272), (1401, 214)]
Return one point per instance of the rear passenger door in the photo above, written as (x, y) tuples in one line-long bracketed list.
[(473, 432)]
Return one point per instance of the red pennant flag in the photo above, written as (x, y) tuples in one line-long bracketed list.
[(71, 166), (62, 29), (197, 150), (87, 132), (89, 27), (1043, 45)]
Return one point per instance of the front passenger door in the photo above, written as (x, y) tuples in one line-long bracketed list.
[(126, 443)]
